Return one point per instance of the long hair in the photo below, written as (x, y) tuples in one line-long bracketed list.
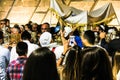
[(116, 66), (95, 64), (71, 68), (41, 65)]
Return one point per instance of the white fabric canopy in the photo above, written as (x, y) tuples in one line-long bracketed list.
[(75, 16)]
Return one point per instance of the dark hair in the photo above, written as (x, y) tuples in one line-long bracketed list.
[(95, 64), (71, 69), (41, 65), (25, 35), (6, 20), (103, 27), (118, 34), (47, 24), (90, 36), (116, 66), (39, 29), (76, 32), (29, 26), (1, 35), (21, 48), (16, 26)]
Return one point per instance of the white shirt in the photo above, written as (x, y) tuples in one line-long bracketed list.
[(31, 47), (4, 60), (58, 49)]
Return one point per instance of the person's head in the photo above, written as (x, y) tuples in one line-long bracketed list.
[(25, 35), (41, 65), (45, 39), (95, 64), (2, 23), (118, 34), (45, 27), (16, 29), (21, 48), (76, 32), (103, 27), (22, 28), (71, 68), (7, 21), (28, 27), (88, 38), (34, 26)]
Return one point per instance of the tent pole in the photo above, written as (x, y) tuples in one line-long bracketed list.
[(35, 10), (10, 9), (95, 2)]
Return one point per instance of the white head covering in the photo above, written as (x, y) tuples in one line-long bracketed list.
[(67, 31), (45, 39)]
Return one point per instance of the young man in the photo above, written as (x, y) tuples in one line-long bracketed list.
[(26, 37), (15, 68), (88, 38)]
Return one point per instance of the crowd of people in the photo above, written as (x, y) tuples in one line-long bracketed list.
[(31, 52)]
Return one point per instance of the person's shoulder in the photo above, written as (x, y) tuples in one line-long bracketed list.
[(114, 40), (3, 49), (33, 45), (13, 62)]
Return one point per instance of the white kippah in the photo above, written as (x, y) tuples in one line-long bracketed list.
[(45, 39)]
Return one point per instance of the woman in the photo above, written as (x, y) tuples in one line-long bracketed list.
[(41, 65), (71, 68), (116, 66), (95, 64), (68, 64)]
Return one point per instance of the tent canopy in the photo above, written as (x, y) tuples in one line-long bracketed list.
[(75, 16), (23, 11)]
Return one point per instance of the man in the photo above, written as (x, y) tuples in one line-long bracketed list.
[(114, 46), (88, 38), (26, 37), (4, 58), (15, 68), (5, 28), (45, 27)]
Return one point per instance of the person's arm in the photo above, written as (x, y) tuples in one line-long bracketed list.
[(66, 48), (2, 71)]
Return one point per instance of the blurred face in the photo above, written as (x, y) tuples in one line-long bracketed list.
[(44, 28), (21, 28), (8, 23), (26, 28), (14, 31), (2, 24), (34, 27)]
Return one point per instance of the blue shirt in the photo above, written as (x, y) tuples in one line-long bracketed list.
[(78, 41)]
